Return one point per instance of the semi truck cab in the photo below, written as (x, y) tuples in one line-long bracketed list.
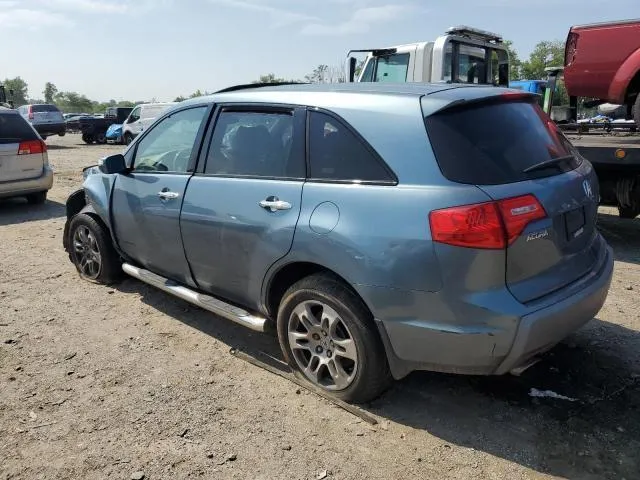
[(462, 55)]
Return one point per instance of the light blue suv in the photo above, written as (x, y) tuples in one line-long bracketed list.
[(379, 228)]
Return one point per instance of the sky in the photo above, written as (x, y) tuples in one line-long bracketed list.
[(146, 49)]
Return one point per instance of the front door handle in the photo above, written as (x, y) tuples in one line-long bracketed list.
[(274, 204), (167, 195)]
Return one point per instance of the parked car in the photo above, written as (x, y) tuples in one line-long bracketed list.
[(24, 163), (94, 129), (381, 228), (114, 133), (140, 118), (46, 118)]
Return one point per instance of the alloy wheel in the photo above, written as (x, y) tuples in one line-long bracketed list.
[(322, 345), (86, 252)]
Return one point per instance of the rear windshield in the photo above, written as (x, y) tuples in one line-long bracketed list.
[(44, 108), (14, 129), (494, 143)]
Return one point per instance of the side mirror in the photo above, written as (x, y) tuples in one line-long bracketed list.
[(114, 164), (352, 69)]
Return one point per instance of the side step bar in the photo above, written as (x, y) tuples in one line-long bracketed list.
[(212, 304)]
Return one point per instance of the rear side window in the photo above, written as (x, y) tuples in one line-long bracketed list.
[(14, 129), (335, 153), (44, 108), (255, 144), (494, 143)]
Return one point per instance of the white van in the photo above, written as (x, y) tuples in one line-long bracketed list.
[(140, 118)]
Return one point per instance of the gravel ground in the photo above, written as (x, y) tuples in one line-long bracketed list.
[(99, 382)]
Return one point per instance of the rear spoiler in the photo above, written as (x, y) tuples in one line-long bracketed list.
[(506, 96)]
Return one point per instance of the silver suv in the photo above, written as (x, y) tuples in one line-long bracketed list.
[(46, 118), (24, 164), (380, 228)]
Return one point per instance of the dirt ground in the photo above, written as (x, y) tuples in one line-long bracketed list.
[(99, 382)]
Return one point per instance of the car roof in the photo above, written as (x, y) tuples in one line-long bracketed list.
[(313, 94)]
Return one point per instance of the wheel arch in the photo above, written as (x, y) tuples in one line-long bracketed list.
[(287, 274)]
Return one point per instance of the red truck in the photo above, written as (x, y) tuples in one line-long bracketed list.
[(602, 61)]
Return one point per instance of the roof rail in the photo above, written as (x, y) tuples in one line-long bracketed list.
[(258, 85)]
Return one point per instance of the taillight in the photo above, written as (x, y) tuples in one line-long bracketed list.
[(30, 111), (519, 212), (571, 48), (491, 225), (32, 146)]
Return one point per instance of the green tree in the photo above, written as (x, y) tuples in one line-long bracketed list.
[(319, 74), (545, 54), (75, 102), (20, 90), (515, 64), (179, 98), (269, 78), (49, 92)]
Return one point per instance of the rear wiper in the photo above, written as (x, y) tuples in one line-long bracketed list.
[(548, 163)]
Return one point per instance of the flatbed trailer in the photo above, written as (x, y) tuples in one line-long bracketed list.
[(614, 153)]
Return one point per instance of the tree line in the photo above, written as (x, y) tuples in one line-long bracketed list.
[(545, 54)]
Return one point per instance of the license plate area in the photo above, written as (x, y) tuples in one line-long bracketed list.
[(574, 221)]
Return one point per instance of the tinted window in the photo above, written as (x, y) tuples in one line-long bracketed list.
[(335, 153), (259, 144), (14, 128), (494, 143), (168, 146), (44, 108), (392, 68)]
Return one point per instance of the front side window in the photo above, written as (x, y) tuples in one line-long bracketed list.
[(168, 146), (134, 116), (367, 75), (256, 144), (335, 153)]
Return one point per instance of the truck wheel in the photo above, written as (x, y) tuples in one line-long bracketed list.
[(91, 250), (87, 138), (328, 338), (128, 138), (636, 111), (628, 212), (101, 138)]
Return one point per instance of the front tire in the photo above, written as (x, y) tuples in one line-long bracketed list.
[(91, 250), (636, 112), (128, 138), (328, 337)]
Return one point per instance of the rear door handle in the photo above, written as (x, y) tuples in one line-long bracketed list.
[(167, 195), (274, 204)]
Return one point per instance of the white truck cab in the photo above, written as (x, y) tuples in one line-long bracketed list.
[(140, 118), (463, 55)]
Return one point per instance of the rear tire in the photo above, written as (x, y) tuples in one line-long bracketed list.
[(37, 198), (101, 138), (327, 331), (91, 250)]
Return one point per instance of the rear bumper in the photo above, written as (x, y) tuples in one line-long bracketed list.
[(17, 188), (485, 335), (50, 128), (543, 329)]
